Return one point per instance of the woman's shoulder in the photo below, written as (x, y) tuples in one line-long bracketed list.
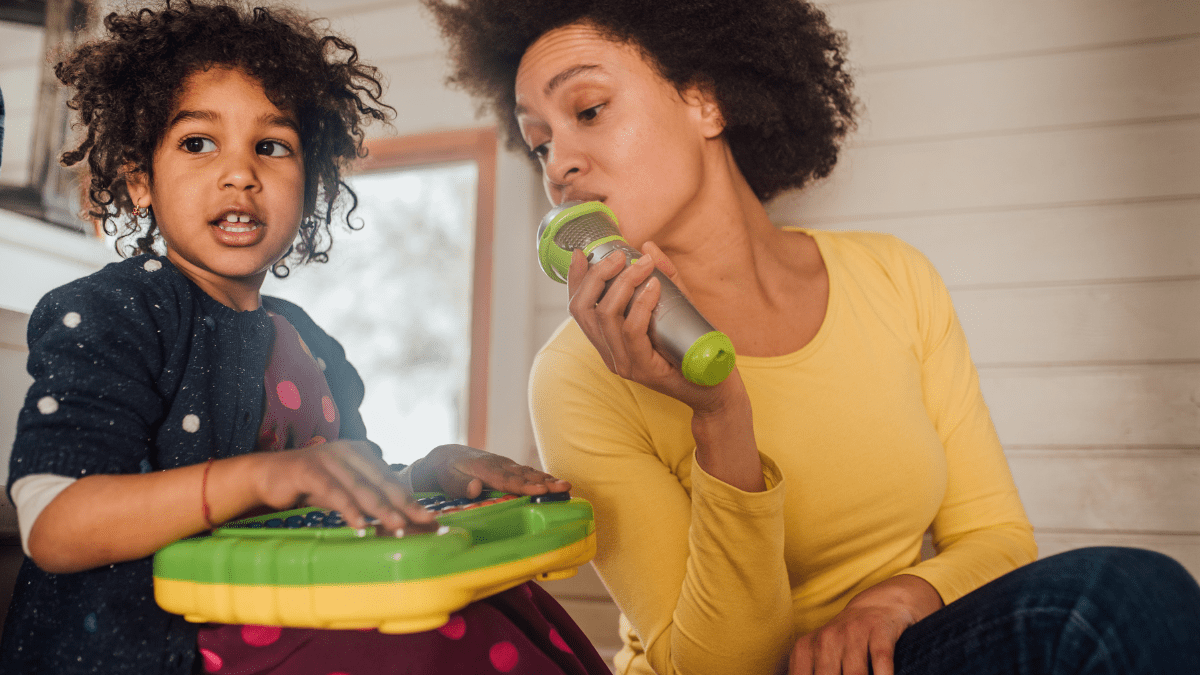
[(568, 355), (877, 258), (568, 342), (865, 247)]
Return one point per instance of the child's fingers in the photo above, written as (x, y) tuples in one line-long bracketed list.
[(463, 471), (379, 492), (456, 483), (502, 473)]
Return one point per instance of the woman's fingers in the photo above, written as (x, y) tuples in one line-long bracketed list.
[(600, 312), (630, 348), (855, 643)]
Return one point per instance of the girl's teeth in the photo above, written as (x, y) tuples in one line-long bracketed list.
[(231, 222)]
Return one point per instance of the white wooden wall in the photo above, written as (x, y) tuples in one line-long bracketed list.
[(1046, 157)]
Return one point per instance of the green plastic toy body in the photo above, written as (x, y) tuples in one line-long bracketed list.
[(337, 577)]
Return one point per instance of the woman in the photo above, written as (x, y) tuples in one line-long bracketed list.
[(774, 521)]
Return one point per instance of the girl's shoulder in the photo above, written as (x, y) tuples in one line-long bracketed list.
[(144, 288), (140, 275)]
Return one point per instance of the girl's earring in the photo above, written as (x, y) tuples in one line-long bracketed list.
[(139, 212)]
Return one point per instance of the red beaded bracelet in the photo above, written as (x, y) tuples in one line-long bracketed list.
[(204, 510)]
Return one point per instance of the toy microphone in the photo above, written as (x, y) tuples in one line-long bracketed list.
[(677, 330)]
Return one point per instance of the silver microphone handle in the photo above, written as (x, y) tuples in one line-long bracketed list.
[(675, 324)]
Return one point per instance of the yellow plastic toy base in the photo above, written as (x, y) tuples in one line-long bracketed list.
[(394, 607)]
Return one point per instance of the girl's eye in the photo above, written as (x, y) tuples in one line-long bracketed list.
[(540, 151), (197, 144), (272, 149)]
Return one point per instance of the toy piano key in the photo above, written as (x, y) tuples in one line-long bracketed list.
[(306, 568)]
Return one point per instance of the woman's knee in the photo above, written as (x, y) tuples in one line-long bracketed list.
[(1137, 584)]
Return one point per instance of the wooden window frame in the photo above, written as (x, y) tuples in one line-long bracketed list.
[(478, 145)]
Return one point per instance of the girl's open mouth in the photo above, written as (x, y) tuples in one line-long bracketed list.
[(235, 222)]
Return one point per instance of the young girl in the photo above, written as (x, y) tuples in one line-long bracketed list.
[(169, 396)]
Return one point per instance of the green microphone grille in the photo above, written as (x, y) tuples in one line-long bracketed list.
[(573, 225)]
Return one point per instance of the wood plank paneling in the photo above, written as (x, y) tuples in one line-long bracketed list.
[(384, 31), (1054, 245), (1136, 82), (422, 102), (1106, 322), (1100, 489), (1152, 405), (900, 33), (1102, 165)]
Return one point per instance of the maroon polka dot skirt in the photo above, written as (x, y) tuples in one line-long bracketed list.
[(522, 631)]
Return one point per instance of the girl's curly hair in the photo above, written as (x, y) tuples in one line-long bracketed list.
[(127, 83), (776, 68)]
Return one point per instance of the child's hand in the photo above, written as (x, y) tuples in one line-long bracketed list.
[(346, 476), (462, 471)]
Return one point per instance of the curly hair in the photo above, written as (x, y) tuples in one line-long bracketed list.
[(775, 67), (127, 83)]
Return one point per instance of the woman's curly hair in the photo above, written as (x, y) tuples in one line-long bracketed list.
[(127, 83), (776, 68)]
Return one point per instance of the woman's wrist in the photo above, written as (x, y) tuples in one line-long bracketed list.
[(725, 445), (908, 591)]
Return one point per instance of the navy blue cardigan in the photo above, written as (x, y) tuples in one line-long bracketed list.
[(136, 370)]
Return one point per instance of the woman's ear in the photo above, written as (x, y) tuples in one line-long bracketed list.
[(701, 98)]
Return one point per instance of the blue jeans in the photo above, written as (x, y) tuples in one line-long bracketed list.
[(1093, 611)]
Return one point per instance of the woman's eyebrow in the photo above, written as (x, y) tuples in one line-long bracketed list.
[(557, 81)]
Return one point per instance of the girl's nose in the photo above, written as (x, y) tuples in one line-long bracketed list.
[(238, 171)]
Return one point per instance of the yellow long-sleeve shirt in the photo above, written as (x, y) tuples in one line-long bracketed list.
[(876, 429)]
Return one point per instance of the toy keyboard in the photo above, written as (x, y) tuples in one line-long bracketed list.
[(306, 568)]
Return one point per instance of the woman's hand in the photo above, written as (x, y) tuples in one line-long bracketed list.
[(622, 337), (862, 637), (462, 471), (345, 476), (722, 422)]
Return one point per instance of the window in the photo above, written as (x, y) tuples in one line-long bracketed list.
[(408, 294)]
